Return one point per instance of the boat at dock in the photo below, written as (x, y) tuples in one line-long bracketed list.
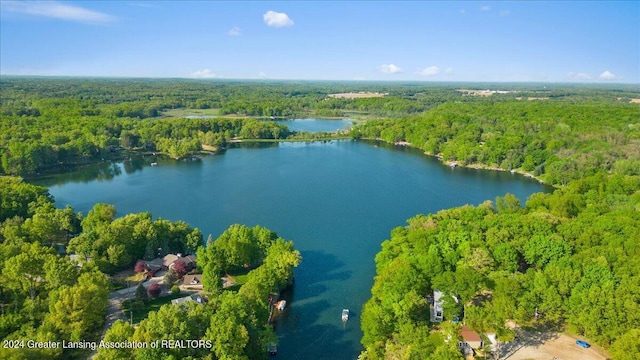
[(280, 305), (345, 315)]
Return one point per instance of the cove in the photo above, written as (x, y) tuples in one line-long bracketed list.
[(336, 200)]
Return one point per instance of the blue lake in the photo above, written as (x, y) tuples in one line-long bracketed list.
[(336, 200)]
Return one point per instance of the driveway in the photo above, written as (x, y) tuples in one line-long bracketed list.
[(549, 345)]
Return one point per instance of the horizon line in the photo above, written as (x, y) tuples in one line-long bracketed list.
[(213, 79)]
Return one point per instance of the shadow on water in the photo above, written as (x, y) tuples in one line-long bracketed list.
[(326, 267)]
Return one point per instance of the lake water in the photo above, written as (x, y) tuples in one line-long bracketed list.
[(316, 125), (336, 200)]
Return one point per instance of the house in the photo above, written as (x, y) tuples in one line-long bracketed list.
[(195, 297), (168, 260), (437, 310), (79, 260), (192, 281), (471, 338), (152, 266)]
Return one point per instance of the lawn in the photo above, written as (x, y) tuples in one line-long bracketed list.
[(239, 279), (151, 305)]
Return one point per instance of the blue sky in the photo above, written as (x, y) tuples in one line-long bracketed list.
[(558, 41)]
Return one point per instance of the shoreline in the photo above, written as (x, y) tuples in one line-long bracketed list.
[(454, 164), (208, 150)]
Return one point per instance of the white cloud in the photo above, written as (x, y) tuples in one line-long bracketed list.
[(579, 76), (56, 10), (262, 75), (276, 19), (607, 75), (505, 12), (390, 69), (430, 71), (448, 71), (204, 74), (485, 8), (235, 31)]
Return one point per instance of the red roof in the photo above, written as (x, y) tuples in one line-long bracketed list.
[(469, 335)]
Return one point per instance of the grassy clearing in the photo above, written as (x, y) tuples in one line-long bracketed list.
[(181, 113), (239, 279)]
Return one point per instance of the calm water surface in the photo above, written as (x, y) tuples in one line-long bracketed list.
[(336, 200)]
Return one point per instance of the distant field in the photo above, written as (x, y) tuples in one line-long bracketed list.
[(357, 95), (635, 101), (181, 113)]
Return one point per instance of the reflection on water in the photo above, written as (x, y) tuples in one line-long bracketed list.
[(253, 145), (84, 174), (108, 170), (132, 165)]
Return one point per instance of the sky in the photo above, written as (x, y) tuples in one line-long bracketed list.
[(497, 41)]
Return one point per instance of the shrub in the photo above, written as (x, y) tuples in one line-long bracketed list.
[(170, 277), (140, 267), (175, 290), (154, 290)]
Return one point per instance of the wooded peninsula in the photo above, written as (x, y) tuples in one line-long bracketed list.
[(567, 260)]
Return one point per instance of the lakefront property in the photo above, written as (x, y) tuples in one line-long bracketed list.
[(465, 274)]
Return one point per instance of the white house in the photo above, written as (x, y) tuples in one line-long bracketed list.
[(195, 297), (437, 311)]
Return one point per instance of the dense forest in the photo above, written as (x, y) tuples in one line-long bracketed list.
[(555, 141), (566, 260), (44, 296), (48, 124)]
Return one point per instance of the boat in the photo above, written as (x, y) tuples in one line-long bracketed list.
[(345, 314), (281, 304), (154, 164)]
